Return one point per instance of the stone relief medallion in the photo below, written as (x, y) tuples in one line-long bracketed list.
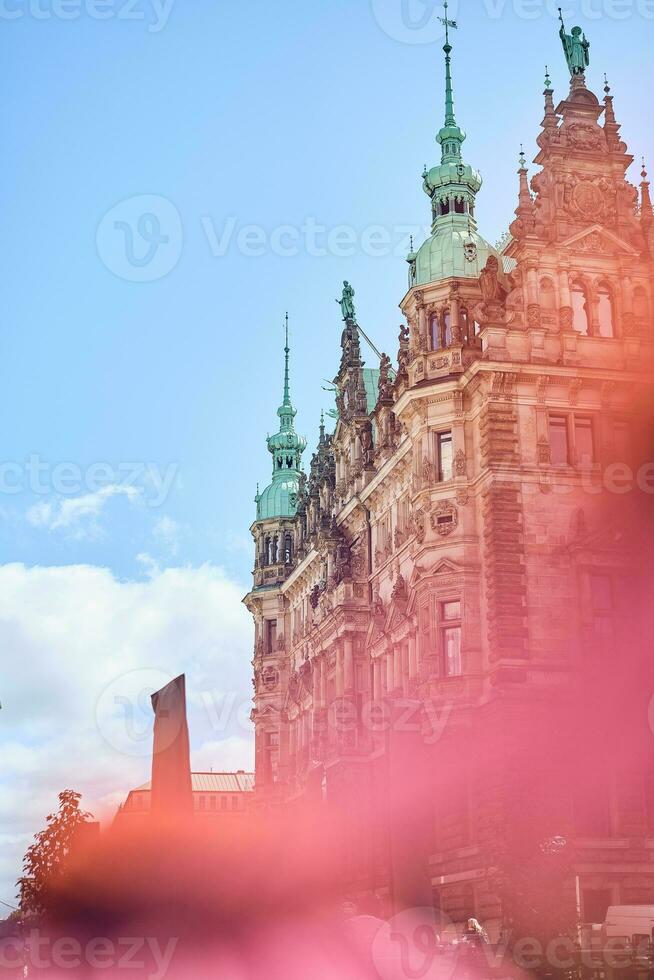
[(444, 517), (587, 199)]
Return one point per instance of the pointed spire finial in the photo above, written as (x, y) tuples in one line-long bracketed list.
[(646, 210), (607, 87), (523, 159), (287, 350), (548, 80), (450, 119)]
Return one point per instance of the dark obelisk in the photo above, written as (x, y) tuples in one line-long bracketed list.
[(172, 794)]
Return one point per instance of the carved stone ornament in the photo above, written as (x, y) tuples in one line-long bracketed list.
[(427, 471), (584, 137), (544, 451), (566, 317), (270, 678), (444, 517), (470, 251), (460, 463), (420, 525), (588, 199), (533, 316)]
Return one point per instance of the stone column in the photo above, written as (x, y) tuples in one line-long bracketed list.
[(397, 667), (413, 657), (533, 304), (422, 327), (377, 689), (339, 671), (389, 671), (565, 300), (348, 665), (455, 318)]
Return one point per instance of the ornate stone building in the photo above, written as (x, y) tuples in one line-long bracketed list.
[(456, 544)]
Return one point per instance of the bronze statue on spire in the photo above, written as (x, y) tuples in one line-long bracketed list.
[(575, 47)]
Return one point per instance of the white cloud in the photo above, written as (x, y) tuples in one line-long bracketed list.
[(82, 652), (166, 532), (79, 515)]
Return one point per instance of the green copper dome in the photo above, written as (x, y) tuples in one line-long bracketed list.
[(452, 251), (279, 499)]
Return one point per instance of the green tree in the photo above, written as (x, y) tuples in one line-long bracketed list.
[(45, 859)]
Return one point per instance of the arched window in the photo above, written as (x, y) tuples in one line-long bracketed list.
[(641, 306), (580, 309), (606, 316), (459, 205), (445, 205), (447, 328), (435, 331), (288, 549), (464, 322)]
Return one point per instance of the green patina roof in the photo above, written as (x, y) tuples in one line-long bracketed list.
[(371, 382), (279, 499)]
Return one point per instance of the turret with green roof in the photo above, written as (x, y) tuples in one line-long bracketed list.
[(279, 499), (455, 249)]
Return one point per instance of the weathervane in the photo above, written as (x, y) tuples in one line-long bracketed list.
[(447, 24)]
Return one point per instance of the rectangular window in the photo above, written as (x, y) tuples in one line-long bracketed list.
[(451, 638), (584, 443), (560, 452), (203, 802), (223, 802), (271, 635), (234, 802), (445, 456)]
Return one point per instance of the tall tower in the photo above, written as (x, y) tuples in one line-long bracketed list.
[(277, 543), (444, 271)]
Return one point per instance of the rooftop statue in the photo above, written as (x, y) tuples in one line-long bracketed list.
[(346, 302), (575, 47)]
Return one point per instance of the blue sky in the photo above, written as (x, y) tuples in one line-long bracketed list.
[(238, 114), (160, 164)]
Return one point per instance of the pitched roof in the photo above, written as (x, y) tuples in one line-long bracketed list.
[(215, 782)]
